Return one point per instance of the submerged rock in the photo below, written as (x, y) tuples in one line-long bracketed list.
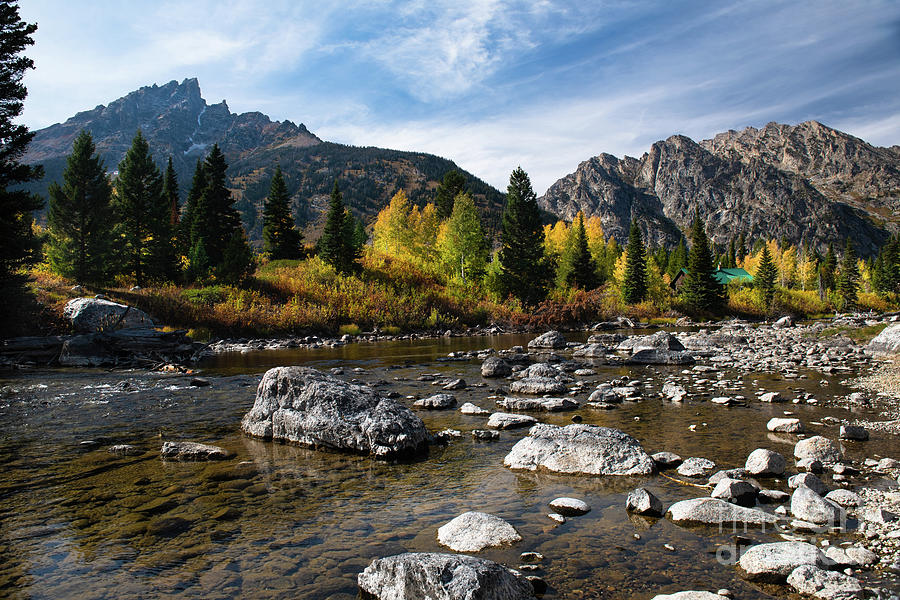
[(192, 451), (304, 406), (580, 448), (475, 531), (442, 577)]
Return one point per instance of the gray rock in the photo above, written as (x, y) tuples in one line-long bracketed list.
[(661, 340), (765, 462), (696, 467), (772, 563), (819, 448), (735, 491), (475, 531), (809, 480), (825, 585), (887, 464), (89, 315), (437, 402), (192, 451), (442, 577), (666, 460), (783, 425), (807, 505), (485, 434), (861, 557), (772, 397), (713, 511), (886, 342), (579, 449), (643, 502), (844, 498), (545, 404), (810, 465), (552, 340), (660, 357), (591, 351), (455, 384), (471, 409), (738, 473), (494, 366), (570, 507), (500, 420), (539, 370), (125, 450), (772, 496), (307, 407), (783, 323), (688, 595), (537, 386), (879, 515), (853, 432)]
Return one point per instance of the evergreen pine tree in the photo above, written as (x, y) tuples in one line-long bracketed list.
[(634, 284), (741, 250), (144, 214), (829, 266), (523, 267), (185, 230), (170, 191), (237, 259), (453, 184), (678, 259), (280, 234), (765, 277), (334, 247), (581, 271), (700, 291), (732, 255), (353, 241), (80, 216), (848, 282), (216, 220), (18, 244)]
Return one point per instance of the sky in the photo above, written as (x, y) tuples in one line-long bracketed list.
[(489, 84)]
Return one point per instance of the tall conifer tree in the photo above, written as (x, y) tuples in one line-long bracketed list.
[(18, 245), (453, 184), (280, 234), (170, 191), (765, 278), (634, 284), (577, 268), (700, 291), (189, 210), (80, 216), (334, 247), (216, 220), (524, 272), (144, 215), (828, 268), (848, 282)]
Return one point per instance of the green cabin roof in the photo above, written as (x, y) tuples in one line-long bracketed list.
[(726, 276)]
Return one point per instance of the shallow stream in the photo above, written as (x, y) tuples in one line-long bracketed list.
[(78, 522)]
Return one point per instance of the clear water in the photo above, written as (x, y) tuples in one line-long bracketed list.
[(78, 522)]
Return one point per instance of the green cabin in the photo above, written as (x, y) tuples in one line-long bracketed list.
[(723, 276)]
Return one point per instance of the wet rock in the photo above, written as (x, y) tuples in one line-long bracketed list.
[(89, 315), (784, 425), (643, 502), (765, 463), (471, 409), (552, 340), (853, 432), (532, 404), (809, 480), (844, 498), (442, 577), (125, 450), (807, 505), (738, 473), (228, 513), (168, 526), (772, 563), (455, 384), (305, 406), (660, 357), (886, 342), (591, 351), (825, 585), (666, 460), (494, 366), (531, 557), (772, 496), (570, 507), (538, 583), (579, 448), (501, 420), (661, 340), (437, 402), (485, 434), (735, 491), (819, 448), (475, 531), (772, 397), (688, 595), (696, 467), (540, 370), (810, 465), (537, 386), (713, 511), (673, 391), (199, 382), (192, 451), (557, 517)]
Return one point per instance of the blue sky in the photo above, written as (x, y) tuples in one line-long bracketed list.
[(490, 84)]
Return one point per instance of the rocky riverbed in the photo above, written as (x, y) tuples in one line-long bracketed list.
[(91, 510)]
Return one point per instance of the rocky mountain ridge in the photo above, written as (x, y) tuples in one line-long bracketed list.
[(806, 183), (178, 122)]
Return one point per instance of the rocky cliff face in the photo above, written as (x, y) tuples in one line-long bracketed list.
[(806, 183), (178, 122)]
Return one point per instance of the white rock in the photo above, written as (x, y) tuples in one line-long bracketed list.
[(475, 531)]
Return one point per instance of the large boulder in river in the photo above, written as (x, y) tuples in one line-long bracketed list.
[(808, 506), (442, 577), (818, 448), (886, 342), (552, 340), (772, 563), (651, 356), (713, 511), (307, 407), (661, 340), (494, 366), (587, 449), (89, 315), (475, 531)]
